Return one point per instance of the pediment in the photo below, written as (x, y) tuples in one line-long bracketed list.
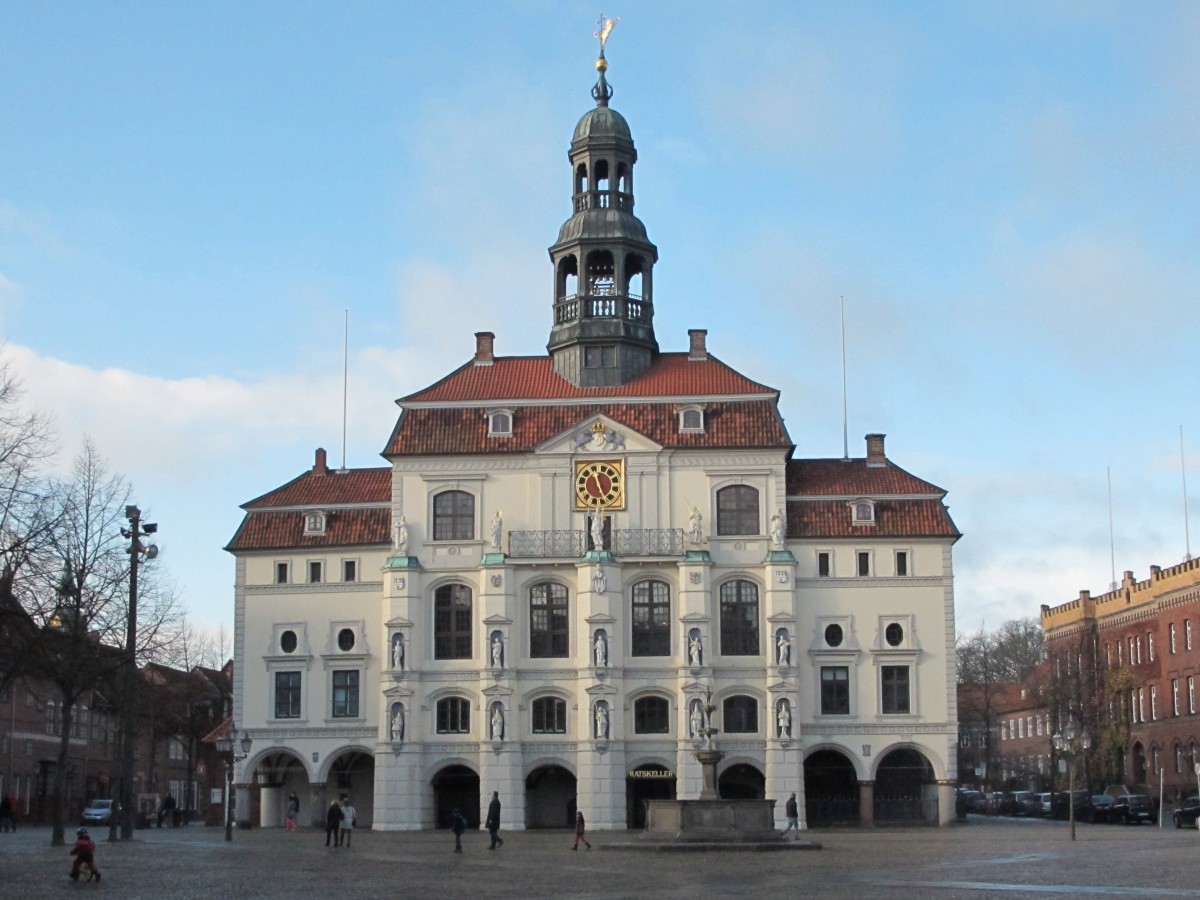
[(600, 619), (694, 618), (497, 619), (601, 690), (497, 690), (398, 622), (581, 440), (695, 687), (779, 687), (397, 693), (781, 617)]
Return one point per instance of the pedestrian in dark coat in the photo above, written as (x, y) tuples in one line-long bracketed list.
[(579, 831), (493, 821), (459, 825), (333, 823)]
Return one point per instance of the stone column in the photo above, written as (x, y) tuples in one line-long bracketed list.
[(242, 810), (945, 796), (316, 805), (866, 803)]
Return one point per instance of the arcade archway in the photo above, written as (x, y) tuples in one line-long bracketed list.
[(905, 790), (276, 776), (352, 774), (646, 782), (742, 781), (456, 787), (831, 793), (549, 798)]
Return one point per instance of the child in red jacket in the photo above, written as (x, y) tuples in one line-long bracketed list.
[(84, 851)]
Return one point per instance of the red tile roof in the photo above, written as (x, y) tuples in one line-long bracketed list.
[(893, 519), (423, 431), (330, 488), (280, 529), (853, 477), (515, 378)]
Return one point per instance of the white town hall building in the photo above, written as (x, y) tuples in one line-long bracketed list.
[(566, 554)]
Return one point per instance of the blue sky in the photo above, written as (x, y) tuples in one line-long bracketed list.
[(1004, 193)]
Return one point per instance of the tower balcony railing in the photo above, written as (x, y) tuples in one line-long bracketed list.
[(628, 542), (603, 200), (601, 303)]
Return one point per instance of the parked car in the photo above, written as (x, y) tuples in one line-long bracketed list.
[(98, 812), (1060, 805), (1025, 803), (970, 801), (1102, 808), (1133, 809), (1187, 813)]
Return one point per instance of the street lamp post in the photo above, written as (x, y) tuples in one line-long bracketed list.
[(1069, 749), (226, 744)]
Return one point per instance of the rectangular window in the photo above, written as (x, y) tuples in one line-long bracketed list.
[(281, 573), (1187, 634), (345, 694), (287, 695), (894, 684), (1171, 634), (651, 625), (349, 570), (549, 716), (1174, 696), (1192, 694), (835, 690), (599, 357), (823, 566), (901, 562), (1153, 702), (314, 572), (454, 716), (549, 623), (1141, 702), (1150, 646), (864, 562)]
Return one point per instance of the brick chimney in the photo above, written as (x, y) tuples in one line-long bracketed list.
[(697, 347), (483, 348), (876, 458), (319, 466)]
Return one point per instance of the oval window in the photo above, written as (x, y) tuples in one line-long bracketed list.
[(287, 642), (346, 639), (894, 634), (833, 635)]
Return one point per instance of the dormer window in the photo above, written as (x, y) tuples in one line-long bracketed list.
[(314, 522), (864, 512), (691, 419), (500, 423)]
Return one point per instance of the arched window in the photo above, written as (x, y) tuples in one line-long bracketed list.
[(549, 626), (740, 715), (453, 516), (651, 619), (452, 622), (739, 618), (737, 510), (651, 715), (454, 716), (549, 715), (581, 178)]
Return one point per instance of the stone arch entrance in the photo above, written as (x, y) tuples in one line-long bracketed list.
[(649, 781), (549, 798), (277, 775), (831, 793), (1138, 758), (352, 773), (905, 790), (456, 787), (742, 781)]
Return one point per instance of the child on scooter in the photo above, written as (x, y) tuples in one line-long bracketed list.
[(84, 851)]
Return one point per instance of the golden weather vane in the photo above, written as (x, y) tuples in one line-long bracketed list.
[(606, 27)]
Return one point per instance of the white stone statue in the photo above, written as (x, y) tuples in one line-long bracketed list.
[(778, 531), (398, 653), (497, 652), (497, 723), (694, 649), (695, 527), (397, 723), (597, 533), (600, 650), (601, 721), (697, 719), (400, 537), (784, 718), (599, 583), (494, 530), (783, 649)]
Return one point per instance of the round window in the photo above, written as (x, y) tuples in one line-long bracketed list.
[(833, 635), (346, 639), (894, 634), (287, 642)]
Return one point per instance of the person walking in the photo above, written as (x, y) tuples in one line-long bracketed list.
[(293, 811), (458, 825), (493, 821), (347, 827), (333, 821), (579, 831), (793, 816)]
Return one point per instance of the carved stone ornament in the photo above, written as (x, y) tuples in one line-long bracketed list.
[(599, 438), (497, 580), (399, 583), (694, 577)]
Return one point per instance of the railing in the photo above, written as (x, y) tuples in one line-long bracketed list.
[(601, 303), (603, 200), (832, 809), (574, 544), (898, 808)]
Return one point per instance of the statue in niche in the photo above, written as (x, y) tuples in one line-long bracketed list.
[(494, 530), (778, 531), (497, 652), (599, 583), (400, 536), (783, 718), (601, 720), (398, 653), (600, 650), (597, 533), (783, 649), (695, 650), (397, 723), (695, 527), (696, 719), (497, 723)]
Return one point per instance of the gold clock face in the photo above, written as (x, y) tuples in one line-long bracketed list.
[(600, 485)]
